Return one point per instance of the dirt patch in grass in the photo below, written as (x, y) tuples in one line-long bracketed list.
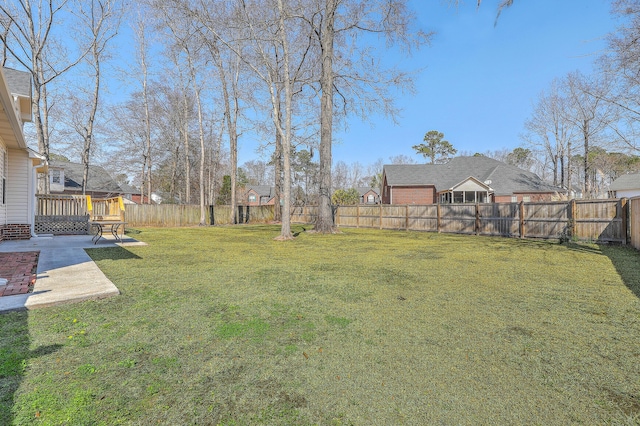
[(227, 326)]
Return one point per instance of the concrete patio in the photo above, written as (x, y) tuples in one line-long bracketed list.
[(65, 271)]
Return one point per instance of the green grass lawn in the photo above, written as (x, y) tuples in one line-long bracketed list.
[(227, 326)]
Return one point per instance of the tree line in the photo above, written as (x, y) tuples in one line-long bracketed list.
[(199, 76)]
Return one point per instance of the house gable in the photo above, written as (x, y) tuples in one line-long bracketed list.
[(260, 195), (471, 184)]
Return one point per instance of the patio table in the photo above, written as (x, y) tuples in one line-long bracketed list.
[(113, 225)]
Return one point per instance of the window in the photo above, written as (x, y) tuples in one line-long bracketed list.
[(371, 199), (526, 199), (55, 176), (252, 198), (514, 198), (460, 197), (470, 197)]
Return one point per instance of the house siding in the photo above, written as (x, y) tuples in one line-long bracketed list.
[(18, 187), (3, 174), (252, 203), (628, 193)]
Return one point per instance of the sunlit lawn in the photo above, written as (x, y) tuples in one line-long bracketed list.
[(227, 326)]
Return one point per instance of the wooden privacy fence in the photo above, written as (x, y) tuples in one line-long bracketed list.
[(61, 214), (613, 220), (634, 221), (586, 220), (189, 215)]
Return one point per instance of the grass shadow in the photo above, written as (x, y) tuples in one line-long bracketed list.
[(626, 260), (111, 253), (14, 357), (593, 249)]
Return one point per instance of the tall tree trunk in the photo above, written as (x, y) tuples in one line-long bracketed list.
[(277, 158), (39, 117), (231, 117), (187, 163), (585, 163), (203, 212), (569, 189), (324, 221), (147, 114), (285, 230), (88, 130)]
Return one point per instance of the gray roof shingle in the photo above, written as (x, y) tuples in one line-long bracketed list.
[(503, 178), (19, 82), (262, 190), (99, 180), (629, 181), (364, 189)]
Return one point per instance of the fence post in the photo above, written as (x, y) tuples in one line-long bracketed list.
[(477, 219), (357, 215), (406, 219), (380, 216), (438, 218), (521, 219), (573, 227), (623, 209)]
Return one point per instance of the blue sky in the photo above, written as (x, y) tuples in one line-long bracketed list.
[(480, 81)]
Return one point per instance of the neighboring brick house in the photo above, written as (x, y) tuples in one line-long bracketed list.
[(132, 195), (368, 195), (260, 195), (66, 178), (476, 179), (626, 186)]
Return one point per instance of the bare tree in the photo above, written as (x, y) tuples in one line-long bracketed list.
[(346, 69), (590, 115), (216, 22), (551, 132), (276, 54), (622, 63), (143, 58), (186, 36), (28, 38), (401, 159), (101, 18)]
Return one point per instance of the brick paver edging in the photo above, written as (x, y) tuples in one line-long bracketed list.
[(20, 269)]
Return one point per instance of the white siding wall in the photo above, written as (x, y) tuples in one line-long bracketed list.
[(628, 193), (3, 174), (18, 187)]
